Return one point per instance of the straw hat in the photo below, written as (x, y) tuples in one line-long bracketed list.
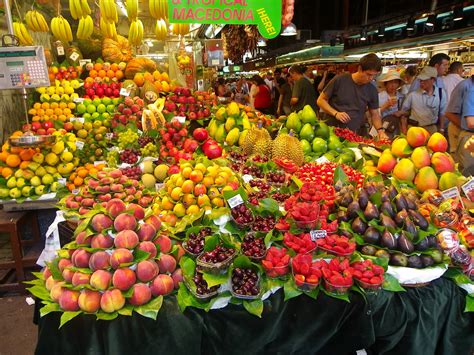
[(390, 75), (428, 73)]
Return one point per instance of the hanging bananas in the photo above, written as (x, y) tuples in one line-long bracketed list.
[(108, 29), (79, 8), (36, 22), (161, 30), (159, 9), (61, 29), (108, 10), (132, 9), (180, 29), (85, 28), (135, 34), (20, 31)]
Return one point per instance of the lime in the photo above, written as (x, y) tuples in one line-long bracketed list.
[(81, 108), (86, 116), (101, 108), (95, 115), (305, 146), (105, 116), (96, 102), (87, 102), (111, 108), (91, 109), (106, 101)]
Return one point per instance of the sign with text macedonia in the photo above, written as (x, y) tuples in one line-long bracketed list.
[(266, 14)]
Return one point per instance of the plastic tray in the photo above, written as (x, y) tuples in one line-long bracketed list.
[(278, 272), (369, 288), (337, 290), (184, 245), (244, 297), (202, 298), (332, 252)]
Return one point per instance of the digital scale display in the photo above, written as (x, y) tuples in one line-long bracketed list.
[(23, 67)]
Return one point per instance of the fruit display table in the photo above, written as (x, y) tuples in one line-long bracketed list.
[(424, 320)]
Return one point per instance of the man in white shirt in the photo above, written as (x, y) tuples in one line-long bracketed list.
[(453, 78), (440, 62)]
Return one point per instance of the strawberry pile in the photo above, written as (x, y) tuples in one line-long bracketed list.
[(367, 273), (338, 275), (301, 244), (351, 136), (337, 245), (176, 144), (276, 262), (306, 272)]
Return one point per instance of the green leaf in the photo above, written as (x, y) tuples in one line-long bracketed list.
[(313, 293), (50, 307), (376, 198), (54, 269), (240, 191), (268, 239), (457, 276), (188, 266), (243, 262), (469, 304), (390, 283), (140, 255), (254, 307), (186, 299), (67, 316), (343, 297), (268, 206), (106, 316), (211, 242), (40, 291), (297, 181), (215, 279), (290, 290), (34, 282), (39, 275), (151, 309), (340, 176)]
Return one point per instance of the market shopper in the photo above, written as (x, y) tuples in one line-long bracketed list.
[(284, 101), (241, 94), (303, 92), (453, 78), (347, 97), (390, 100), (408, 76), (440, 62), (426, 106), (262, 98)]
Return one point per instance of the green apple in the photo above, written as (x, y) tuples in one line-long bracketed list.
[(20, 182), (41, 171), (11, 182), (4, 193), (35, 181), (55, 186), (40, 190), (15, 193), (26, 191), (47, 179)]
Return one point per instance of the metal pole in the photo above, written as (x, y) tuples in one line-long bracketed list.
[(8, 16)]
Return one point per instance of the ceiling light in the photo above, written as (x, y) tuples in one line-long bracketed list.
[(411, 24), (363, 35), (289, 30), (458, 14), (431, 20), (381, 31)]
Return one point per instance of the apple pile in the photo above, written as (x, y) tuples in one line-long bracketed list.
[(60, 72), (183, 103), (175, 143), (209, 146), (120, 260), (337, 245), (99, 90), (276, 262), (40, 128), (107, 186), (129, 111), (306, 272)]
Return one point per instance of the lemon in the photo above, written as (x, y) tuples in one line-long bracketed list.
[(58, 147), (67, 156), (51, 159)]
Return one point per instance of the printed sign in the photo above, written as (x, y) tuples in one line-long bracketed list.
[(235, 201), (317, 234), (468, 189)]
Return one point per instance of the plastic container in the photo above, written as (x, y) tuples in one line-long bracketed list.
[(216, 268), (337, 290), (202, 298), (332, 252), (368, 287), (307, 225), (244, 225), (278, 272), (305, 286)]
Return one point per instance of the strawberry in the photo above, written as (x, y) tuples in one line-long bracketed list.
[(327, 273), (304, 269), (357, 274), (344, 265), (267, 264), (369, 274), (285, 259), (376, 280), (337, 280), (313, 279), (378, 270), (299, 279)]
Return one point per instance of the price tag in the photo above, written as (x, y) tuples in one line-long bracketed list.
[(453, 192), (235, 201), (74, 56), (111, 234), (247, 178), (62, 181), (60, 50), (208, 212), (75, 191), (159, 186), (78, 119), (322, 160), (79, 100), (83, 62), (468, 189), (109, 136), (79, 145), (100, 162), (181, 119), (124, 92), (318, 234), (215, 62)]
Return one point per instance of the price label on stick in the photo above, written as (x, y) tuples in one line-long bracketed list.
[(109, 135), (62, 181), (159, 186), (124, 92), (74, 56), (100, 162), (318, 234), (181, 119), (79, 100), (80, 145), (322, 160), (235, 201), (468, 189)]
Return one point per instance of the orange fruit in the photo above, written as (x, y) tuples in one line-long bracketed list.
[(119, 74), (36, 118), (54, 105), (82, 173), (32, 111), (40, 112), (45, 105), (37, 105), (89, 79), (13, 160), (66, 111), (78, 181), (93, 171), (72, 176), (71, 187), (50, 111), (93, 73), (24, 164), (114, 67), (62, 105), (102, 73), (27, 154), (6, 171), (62, 118), (71, 105), (110, 74), (97, 66)]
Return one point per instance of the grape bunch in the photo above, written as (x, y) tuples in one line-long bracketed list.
[(149, 150), (112, 158), (127, 138), (133, 172), (144, 140), (129, 156)]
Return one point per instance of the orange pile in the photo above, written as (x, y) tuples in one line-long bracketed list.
[(52, 111), (104, 70), (13, 157), (76, 179)]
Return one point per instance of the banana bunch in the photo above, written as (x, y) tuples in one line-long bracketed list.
[(135, 35), (108, 29), (108, 10), (20, 31), (159, 9), (61, 29), (132, 9), (85, 28), (36, 21), (181, 28), (79, 8), (161, 30)]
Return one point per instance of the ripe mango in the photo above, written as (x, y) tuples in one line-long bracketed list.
[(404, 170), (438, 143), (448, 180), (421, 157), (442, 162), (386, 162), (426, 179), (417, 136), (233, 136), (401, 148)]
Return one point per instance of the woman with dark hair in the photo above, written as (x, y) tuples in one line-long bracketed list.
[(262, 97)]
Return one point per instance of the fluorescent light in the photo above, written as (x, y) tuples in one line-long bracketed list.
[(431, 20), (458, 13), (289, 30)]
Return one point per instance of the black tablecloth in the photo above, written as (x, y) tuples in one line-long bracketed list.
[(425, 320)]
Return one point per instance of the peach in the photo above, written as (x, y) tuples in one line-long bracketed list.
[(100, 222), (68, 300), (83, 210), (106, 181), (102, 174), (112, 300), (162, 285), (102, 241), (129, 198), (100, 260), (148, 247), (130, 190), (120, 256), (101, 280), (88, 202), (104, 197), (50, 282), (147, 270), (80, 278), (120, 195), (115, 207), (67, 275), (56, 291), (125, 221), (180, 253), (442, 163), (63, 263), (124, 278), (155, 221), (145, 201), (166, 263), (164, 242), (46, 273), (89, 301), (93, 184), (115, 174), (83, 239), (146, 232), (177, 277), (417, 136), (124, 179), (80, 258), (126, 239), (103, 189), (138, 211), (438, 143), (116, 188), (141, 294)]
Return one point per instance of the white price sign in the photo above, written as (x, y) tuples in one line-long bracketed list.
[(159, 186), (79, 145), (453, 192), (74, 56), (468, 187), (247, 178), (322, 160), (83, 62), (79, 100), (124, 92), (318, 234), (75, 191), (109, 135), (181, 119), (78, 119), (100, 162), (235, 201), (60, 50), (62, 181)]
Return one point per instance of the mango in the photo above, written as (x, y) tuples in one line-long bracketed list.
[(426, 179), (233, 136), (307, 132), (386, 162), (438, 143), (401, 148), (293, 122), (404, 170), (233, 110), (229, 124), (220, 134), (417, 136), (421, 157), (448, 180), (442, 162), (307, 115)]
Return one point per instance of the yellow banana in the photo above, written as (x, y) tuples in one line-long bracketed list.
[(42, 21), (132, 9), (22, 33), (132, 33), (67, 30), (113, 31), (152, 8), (140, 32), (85, 28), (29, 21), (86, 10), (109, 10), (160, 30), (162, 6), (75, 12), (80, 28)]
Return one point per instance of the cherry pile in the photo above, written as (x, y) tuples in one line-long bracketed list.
[(280, 197), (253, 170), (129, 156), (260, 159), (351, 136), (238, 157), (253, 247), (219, 254), (245, 282), (133, 172), (256, 196), (201, 284), (259, 184), (242, 214), (195, 243), (276, 178), (144, 140), (263, 224)]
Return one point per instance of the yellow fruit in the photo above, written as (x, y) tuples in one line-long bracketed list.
[(67, 156), (51, 159)]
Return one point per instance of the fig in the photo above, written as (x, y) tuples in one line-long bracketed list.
[(404, 244), (371, 211), (401, 202), (427, 260), (346, 200), (342, 216), (422, 245), (387, 209), (352, 209), (398, 260), (385, 196), (359, 226), (401, 217), (371, 188), (433, 243), (363, 199), (392, 192), (419, 219), (386, 221), (411, 204), (411, 228), (388, 240), (371, 236), (368, 250), (414, 261), (382, 253)]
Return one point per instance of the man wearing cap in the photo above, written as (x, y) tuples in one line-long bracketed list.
[(425, 107)]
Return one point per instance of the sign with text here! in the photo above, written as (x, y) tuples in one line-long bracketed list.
[(266, 14)]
